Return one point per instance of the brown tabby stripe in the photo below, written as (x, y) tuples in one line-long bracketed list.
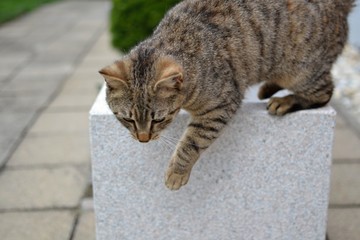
[(173, 112), (182, 166), (183, 158), (186, 152), (276, 29), (143, 65), (203, 127), (206, 137), (219, 120), (221, 106), (265, 11), (166, 122), (193, 144), (259, 37)]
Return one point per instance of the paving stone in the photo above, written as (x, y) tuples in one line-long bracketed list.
[(8, 30), (343, 224), (58, 57), (72, 101), (79, 34), (47, 225), (345, 182), (41, 18), (18, 102), (42, 188), (12, 46), (85, 229), (346, 145), (100, 51), (38, 35), (34, 42), (75, 88), (35, 87), (13, 124), (7, 143), (87, 204), (83, 82), (55, 69), (48, 15), (96, 63), (37, 82), (340, 122), (52, 150), (64, 47), (104, 49), (85, 25), (61, 123), (4, 76), (12, 61)]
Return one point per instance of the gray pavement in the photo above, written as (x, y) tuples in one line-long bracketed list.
[(37, 53), (48, 77)]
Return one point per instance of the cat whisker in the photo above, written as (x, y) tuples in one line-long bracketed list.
[(166, 146), (170, 142)]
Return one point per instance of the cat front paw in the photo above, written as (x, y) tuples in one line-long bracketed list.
[(174, 181)]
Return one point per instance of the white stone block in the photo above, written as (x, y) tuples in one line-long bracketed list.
[(266, 177)]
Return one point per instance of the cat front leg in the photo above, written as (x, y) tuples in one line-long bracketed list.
[(186, 154), (204, 129)]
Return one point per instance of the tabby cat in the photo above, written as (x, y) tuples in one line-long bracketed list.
[(204, 54)]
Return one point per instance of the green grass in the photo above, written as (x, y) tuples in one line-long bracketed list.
[(10, 9), (134, 20)]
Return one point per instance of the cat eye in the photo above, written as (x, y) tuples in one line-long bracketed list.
[(128, 120), (158, 120)]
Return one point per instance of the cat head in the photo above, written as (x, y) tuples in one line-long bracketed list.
[(144, 94)]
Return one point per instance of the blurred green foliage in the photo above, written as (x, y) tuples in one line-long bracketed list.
[(134, 20), (10, 9)]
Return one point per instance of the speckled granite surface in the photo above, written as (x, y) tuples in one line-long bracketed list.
[(264, 178)]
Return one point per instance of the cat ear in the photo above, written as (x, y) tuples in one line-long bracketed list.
[(174, 81), (115, 75), (171, 75)]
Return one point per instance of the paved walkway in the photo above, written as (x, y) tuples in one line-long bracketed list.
[(48, 80), (48, 77)]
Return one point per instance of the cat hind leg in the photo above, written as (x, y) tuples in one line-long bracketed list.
[(308, 94)]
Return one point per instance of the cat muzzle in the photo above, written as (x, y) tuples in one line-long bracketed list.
[(144, 137)]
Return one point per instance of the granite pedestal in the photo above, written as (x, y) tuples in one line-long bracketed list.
[(265, 178)]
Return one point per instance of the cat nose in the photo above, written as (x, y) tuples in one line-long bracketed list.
[(144, 137)]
